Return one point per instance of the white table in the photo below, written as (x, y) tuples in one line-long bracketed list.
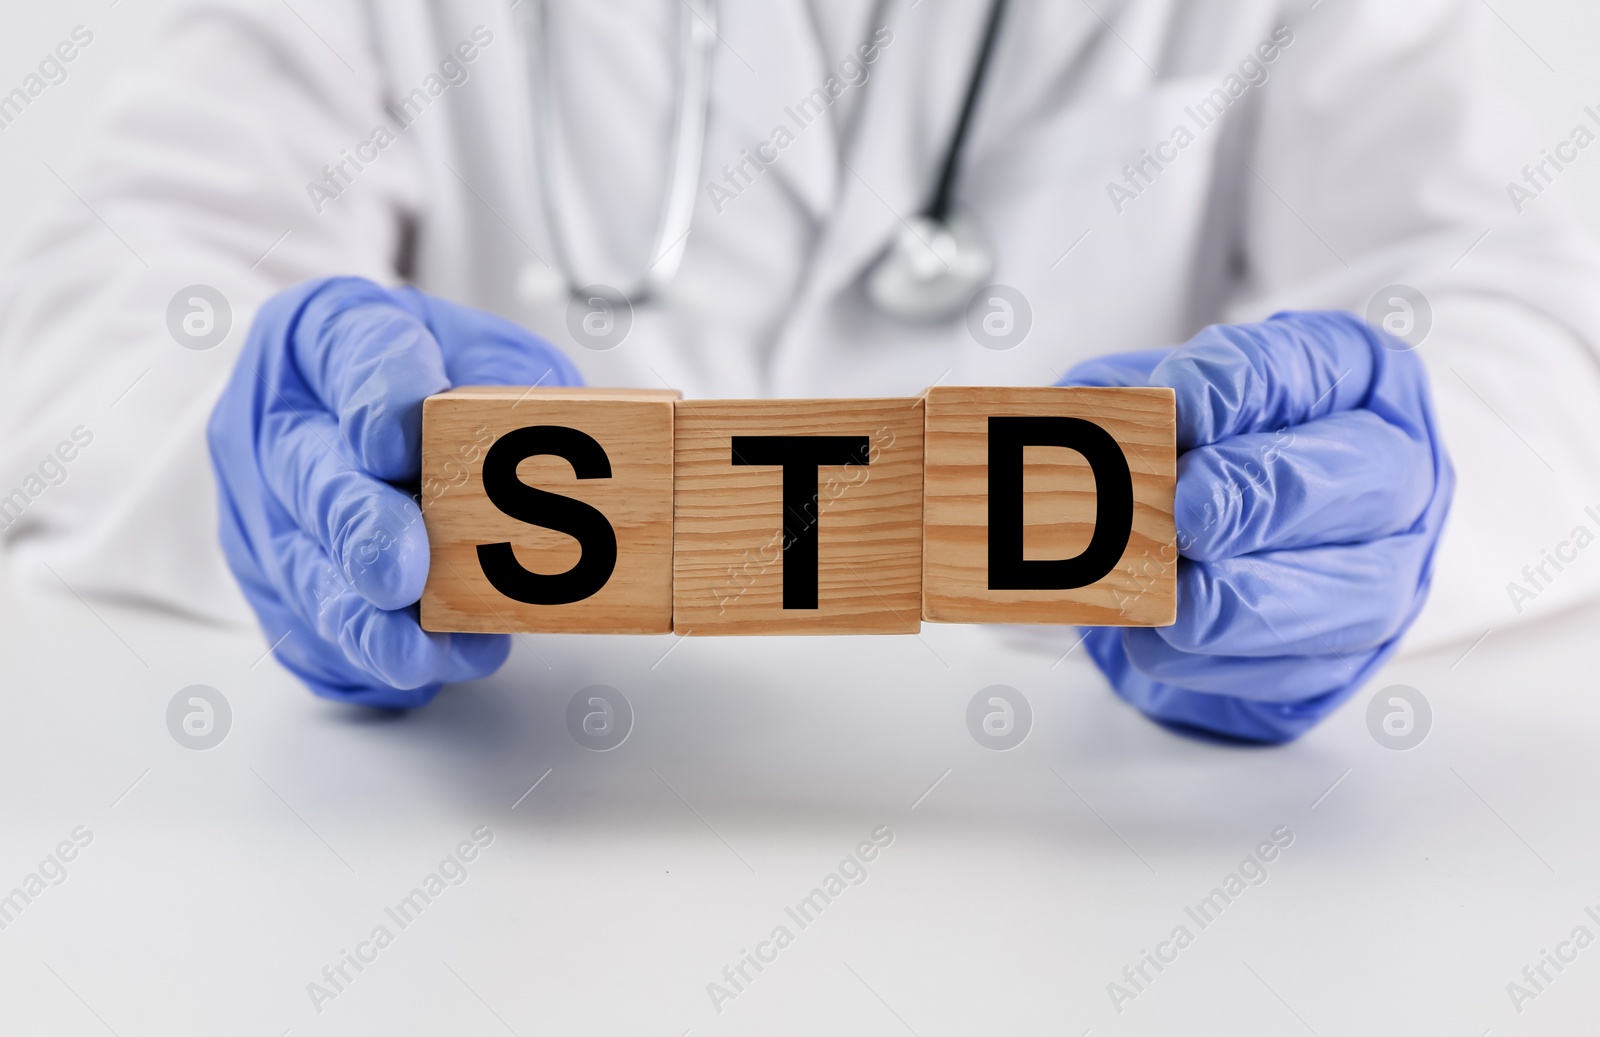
[(220, 883)]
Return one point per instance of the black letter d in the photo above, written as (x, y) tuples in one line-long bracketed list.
[(1113, 485)]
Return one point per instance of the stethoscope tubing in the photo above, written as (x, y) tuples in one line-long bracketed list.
[(697, 36)]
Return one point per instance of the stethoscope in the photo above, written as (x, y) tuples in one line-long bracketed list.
[(930, 271), (697, 35)]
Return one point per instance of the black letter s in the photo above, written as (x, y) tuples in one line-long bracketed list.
[(581, 521)]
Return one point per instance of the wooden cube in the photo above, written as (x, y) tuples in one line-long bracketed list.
[(798, 517), (548, 510), (1050, 505)]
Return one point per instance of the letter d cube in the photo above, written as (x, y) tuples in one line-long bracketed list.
[(1050, 505), (548, 510)]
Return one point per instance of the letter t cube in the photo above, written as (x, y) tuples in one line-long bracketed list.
[(798, 517)]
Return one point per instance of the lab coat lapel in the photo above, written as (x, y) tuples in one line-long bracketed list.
[(891, 163), (779, 62)]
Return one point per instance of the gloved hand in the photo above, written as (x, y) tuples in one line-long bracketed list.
[(1312, 487), (316, 443)]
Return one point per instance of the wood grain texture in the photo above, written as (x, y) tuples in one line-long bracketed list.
[(1058, 507), (728, 558), (634, 426)]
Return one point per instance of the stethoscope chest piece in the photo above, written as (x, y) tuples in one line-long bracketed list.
[(932, 269), (941, 258)]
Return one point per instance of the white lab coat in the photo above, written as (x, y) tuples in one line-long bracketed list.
[(1377, 152)]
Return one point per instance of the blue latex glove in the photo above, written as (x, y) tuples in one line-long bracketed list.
[(316, 443), (1312, 487)]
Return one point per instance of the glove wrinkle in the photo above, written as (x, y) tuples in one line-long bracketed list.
[(320, 418), (1312, 488)]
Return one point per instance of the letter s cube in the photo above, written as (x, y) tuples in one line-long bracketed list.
[(1050, 505), (548, 510)]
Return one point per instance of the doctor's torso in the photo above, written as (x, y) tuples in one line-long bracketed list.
[(1094, 166)]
